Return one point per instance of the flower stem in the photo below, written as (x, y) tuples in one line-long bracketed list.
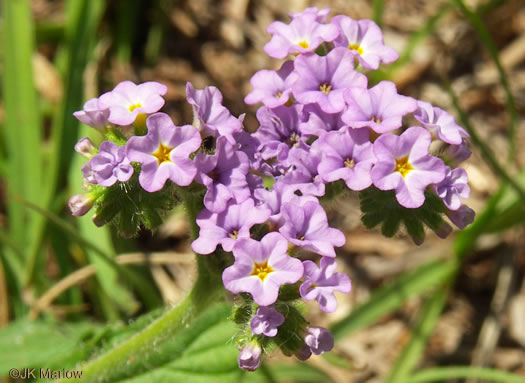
[(127, 357)]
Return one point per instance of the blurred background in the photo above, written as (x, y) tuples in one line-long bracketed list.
[(459, 301)]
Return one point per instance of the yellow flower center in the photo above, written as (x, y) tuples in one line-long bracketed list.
[(278, 94), (234, 234), (375, 119), (261, 270), (325, 88), (163, 153), (135, 106), (403, 166), (303, 44), (350, 163), (356, 47)]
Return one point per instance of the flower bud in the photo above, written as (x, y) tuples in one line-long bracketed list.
[(250, 357), (85, 147), (319, 340), (80, 204), (462, 217)]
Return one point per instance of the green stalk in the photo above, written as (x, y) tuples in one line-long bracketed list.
[(207, 290), (441, 374)]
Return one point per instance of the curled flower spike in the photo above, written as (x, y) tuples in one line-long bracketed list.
[(364, 39), (303, 34), (404, 165), (164, 153), (129, 101), (260, 268), (266, 320), (320, 283)]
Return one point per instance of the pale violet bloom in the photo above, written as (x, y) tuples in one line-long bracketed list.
[(453, 187), (93, 115), (318, 122), (321, 14), (224, 175), (209, 115), (461, 217), (272, 88), (108, 166), (127, 101), (405, 165), (261, 268), (164, 153), (319, 339), (324, 79), (303, 34), (306, 226), (380, 108), (347, 155), (266, 320), (440, 123), (227, 227), (321, 282), (365, 40)]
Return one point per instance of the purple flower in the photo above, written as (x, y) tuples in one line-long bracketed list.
[(127, 101), (320, 283), (92, 114), (306, 226), (80, 204), (209, 115), (321, 14), (303, 174), (453, 187), (108, 166), (318, 122), (266, 320), (224, 175), (456, 154), (319, 339), (379, 108), (277, 133), (365, 40), (272, 88), (227, 227), (304, 353), (404, 165), (250, 357), (440, 123), (164, 153), (85, 147), (461, 217), (348, 155), (303, 34), (323, 79), (260, 268)]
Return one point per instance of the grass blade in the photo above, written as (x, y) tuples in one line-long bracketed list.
[(378, 7), (441, 374), (22, 125), (391, 296), (420, 334), (486, 39)]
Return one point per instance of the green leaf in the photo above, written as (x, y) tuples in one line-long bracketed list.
[(28, 344), (299, 372)]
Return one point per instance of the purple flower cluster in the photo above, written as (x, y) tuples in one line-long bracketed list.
[(319, 123)]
